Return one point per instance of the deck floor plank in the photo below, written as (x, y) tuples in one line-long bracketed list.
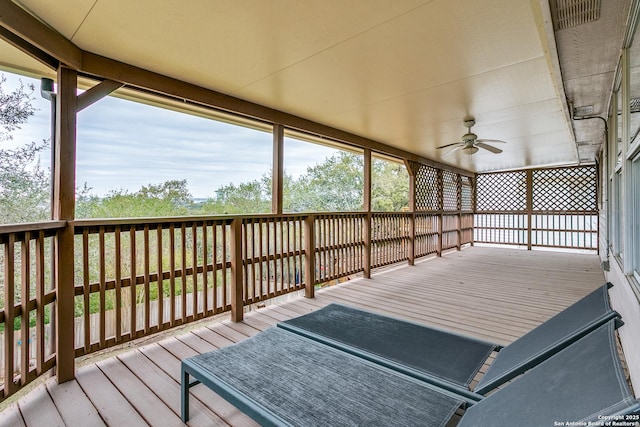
[(73, 404), (37, 409), (114, 408), (176, 350), (146, 402), (11, 417), (165, 387), (490, 293)]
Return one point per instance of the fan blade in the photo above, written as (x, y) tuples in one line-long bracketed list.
[(488, 147), (491, 140), (451, 150), (449, 145)]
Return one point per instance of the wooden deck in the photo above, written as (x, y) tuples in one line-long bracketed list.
[(491, 293)]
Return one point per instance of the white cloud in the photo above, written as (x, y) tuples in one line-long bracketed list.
[(125, 145)]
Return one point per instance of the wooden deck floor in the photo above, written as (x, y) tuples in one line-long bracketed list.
[(491, 293)]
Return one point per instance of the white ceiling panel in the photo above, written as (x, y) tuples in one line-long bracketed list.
[(402, 72)]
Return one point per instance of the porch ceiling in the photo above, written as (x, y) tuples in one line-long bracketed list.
[(404, 73)]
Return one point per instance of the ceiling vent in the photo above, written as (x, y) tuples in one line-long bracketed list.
[(583, 110), (635, 105), (571, 13), (583, 143)]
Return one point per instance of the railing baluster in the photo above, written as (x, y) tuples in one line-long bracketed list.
[(9, 301), (40, 319), (225, 301), (172, 275), (25, 286), (118, 284), (87, 292), (263, 255), (183, 271), (160, 282), (147, 279), (133, 279), (214, 261), (103, 287), (194, 265), (205, 271)]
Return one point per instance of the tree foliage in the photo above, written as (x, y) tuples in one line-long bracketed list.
[(248, 197), (335, 185), (171, 198), (24, 184)]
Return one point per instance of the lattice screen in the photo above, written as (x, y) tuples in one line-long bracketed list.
[(568, 189), (505, 191), (449, 191), (466, 193), (426, 188)]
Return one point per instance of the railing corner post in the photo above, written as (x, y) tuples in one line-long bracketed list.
[(412, 238), (367, 245), (64, 307), (310, 256), (237, 301)]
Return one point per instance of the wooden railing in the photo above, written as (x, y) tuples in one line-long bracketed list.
[(137, 277), (553, 229), (554, 207), (28, 297)]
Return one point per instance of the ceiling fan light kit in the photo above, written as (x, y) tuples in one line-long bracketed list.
[(470, 150), (470, 143)]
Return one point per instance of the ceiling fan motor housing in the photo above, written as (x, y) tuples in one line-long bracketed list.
[(469, 137), (469, 122)]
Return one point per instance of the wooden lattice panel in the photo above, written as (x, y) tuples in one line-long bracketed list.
[(449, 191), (505, 191), (567, 189), (426, 188), (466, 193)]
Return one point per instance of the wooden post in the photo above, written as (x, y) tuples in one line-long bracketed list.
[(310, 256), (529, 206), (412, 209), (278, 170), (474, 188), (440, 190), (237, 304), (367, 208), (459, 215), (64, 209)]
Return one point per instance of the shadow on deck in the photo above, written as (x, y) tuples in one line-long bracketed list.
[(490, 293)]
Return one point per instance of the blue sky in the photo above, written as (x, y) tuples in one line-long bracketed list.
[(125, 145)]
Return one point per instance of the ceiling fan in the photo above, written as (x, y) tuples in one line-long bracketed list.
[(470, 143)]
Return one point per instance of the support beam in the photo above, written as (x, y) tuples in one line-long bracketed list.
[(277, 183), (21, 23), (367, 181), (64, 209), (96, 93)]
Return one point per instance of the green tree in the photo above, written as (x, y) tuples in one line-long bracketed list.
[(248, 197), (171, 198), (389, 187), (333, 185), (24, 184)]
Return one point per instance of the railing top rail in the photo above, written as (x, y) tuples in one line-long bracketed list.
[(32, 226), (540, 212)]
